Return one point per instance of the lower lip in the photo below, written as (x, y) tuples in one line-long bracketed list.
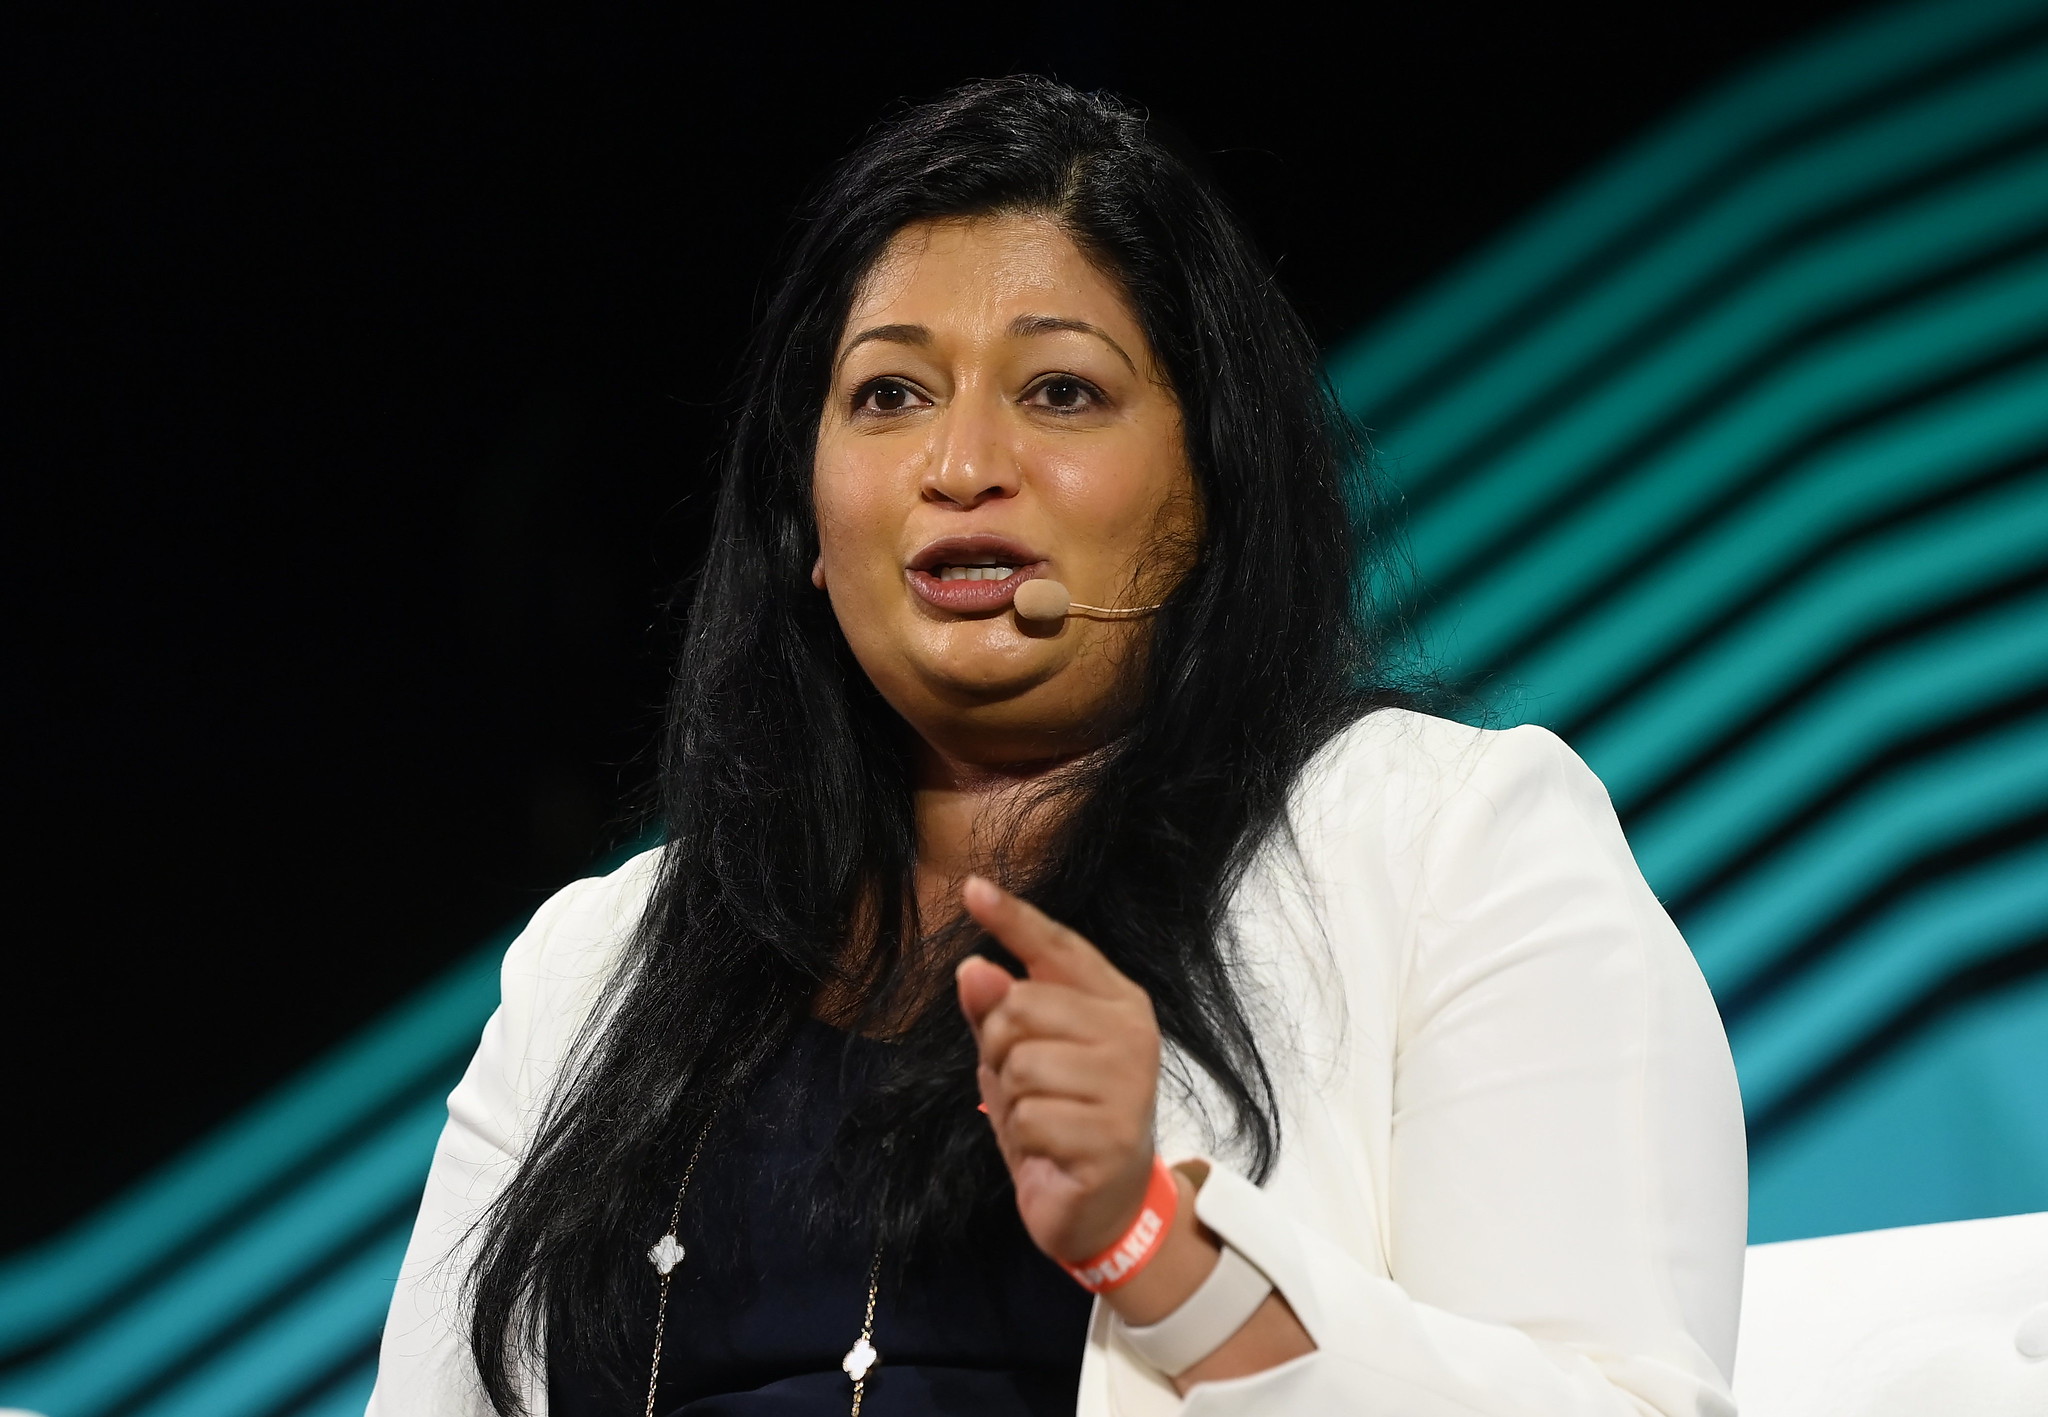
[(972, 597)]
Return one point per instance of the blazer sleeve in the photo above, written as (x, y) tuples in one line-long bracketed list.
[(424, 1368), (1567, 1174)]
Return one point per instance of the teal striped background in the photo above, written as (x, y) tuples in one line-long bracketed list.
[(1732, 467)]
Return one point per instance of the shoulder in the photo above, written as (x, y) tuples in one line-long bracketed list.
[(1466, 841), (584, 925), (1404, 817), (556, 969), (1405, 773)]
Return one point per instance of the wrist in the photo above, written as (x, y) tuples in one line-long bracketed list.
[(1186, 1255), (1141, 1239)]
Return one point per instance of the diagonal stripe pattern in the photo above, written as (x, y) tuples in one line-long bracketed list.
[(1732, 467)]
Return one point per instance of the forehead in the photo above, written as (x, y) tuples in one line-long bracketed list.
[(984, 272)]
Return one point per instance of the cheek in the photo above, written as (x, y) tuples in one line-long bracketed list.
[(1114, 494), (854, 514)]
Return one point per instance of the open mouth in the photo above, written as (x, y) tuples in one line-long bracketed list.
[(972, 574)]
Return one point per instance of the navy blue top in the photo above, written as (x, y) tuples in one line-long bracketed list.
[(762, 1308)]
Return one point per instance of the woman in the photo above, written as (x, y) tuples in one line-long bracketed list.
[(1454, 1122)]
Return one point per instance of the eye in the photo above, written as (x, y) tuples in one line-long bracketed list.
[(1064, 393), (886, 395)]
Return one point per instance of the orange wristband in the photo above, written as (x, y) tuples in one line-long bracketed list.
[(1120, 1263)]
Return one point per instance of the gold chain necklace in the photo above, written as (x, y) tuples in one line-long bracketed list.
[(668, 1253)]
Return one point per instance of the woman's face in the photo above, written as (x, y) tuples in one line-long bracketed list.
[(995, 415)]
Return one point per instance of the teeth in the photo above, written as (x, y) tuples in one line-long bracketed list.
[(976, 573)]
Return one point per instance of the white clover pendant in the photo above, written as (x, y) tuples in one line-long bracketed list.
[(665, 1255), (859, 1359)]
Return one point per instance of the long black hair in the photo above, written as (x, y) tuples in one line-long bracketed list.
[(786, 802)]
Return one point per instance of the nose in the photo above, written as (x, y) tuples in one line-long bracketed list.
[(974, 462)]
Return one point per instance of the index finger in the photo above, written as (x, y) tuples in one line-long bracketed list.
[(1047, 949)]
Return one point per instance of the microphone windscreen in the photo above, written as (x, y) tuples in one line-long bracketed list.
[(1041, 600)]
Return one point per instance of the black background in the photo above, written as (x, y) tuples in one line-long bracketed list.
[(366, 366)]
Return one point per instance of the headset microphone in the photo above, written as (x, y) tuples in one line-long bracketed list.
[(1044, 602)]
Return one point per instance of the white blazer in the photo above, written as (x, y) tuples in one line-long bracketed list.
[(1511, 1180)]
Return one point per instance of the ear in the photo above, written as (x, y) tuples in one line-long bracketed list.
[(818, 573)]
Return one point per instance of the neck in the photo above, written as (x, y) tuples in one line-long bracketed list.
[(967, 813)]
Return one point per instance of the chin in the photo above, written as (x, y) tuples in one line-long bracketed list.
[(990, 657), (979, 680)]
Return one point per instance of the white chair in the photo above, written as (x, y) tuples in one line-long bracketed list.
[(1926, 1321)]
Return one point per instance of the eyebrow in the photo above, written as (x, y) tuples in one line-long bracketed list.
[(1023, 327), (1026, 325), (891, 334)]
